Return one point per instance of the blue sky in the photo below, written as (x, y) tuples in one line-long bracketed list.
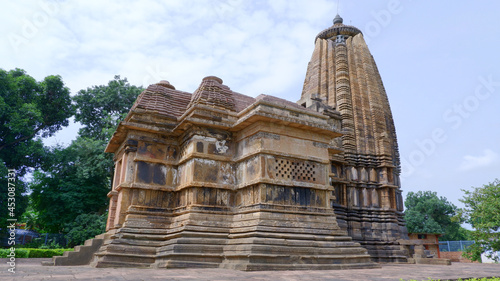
[(439, 61)]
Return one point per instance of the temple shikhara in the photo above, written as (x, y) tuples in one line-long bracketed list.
[(216, 178)]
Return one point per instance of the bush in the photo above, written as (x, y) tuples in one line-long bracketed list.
[(46, 253), (20, 253), (34, 253), (85, 226)]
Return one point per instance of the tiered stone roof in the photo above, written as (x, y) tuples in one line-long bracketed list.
[(163, 99), (213, 93)]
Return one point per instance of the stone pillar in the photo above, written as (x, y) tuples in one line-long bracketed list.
[(124, 174)]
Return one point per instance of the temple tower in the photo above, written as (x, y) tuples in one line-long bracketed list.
[(365, 177)]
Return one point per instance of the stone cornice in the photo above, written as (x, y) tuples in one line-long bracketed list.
[(335, 30)]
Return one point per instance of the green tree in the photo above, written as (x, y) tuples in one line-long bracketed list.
[(428, 213), (20, 200), (29, 111), (74, 181), (85, 226), (101, 108), (30, 217), (482, 211)]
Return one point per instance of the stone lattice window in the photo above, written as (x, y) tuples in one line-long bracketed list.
[(295, 170)]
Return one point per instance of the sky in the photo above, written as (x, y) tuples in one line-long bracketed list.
[(439, 61)]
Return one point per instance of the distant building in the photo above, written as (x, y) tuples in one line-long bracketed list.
[(430, 242)]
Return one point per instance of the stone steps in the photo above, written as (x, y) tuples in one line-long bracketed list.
[(302, 251), (104, 264), (200, 247), (82, 255), (292, 242), (291, 257), (295, 236), (195, 244), (385, 252), (295, 266), (111, 256), (185, 264), (318, 242), (127, 250), (252, 241), (203, 250)]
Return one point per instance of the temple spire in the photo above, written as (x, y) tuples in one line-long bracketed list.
[(344, 75)]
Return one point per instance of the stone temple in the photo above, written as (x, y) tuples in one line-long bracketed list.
[(216, 178)]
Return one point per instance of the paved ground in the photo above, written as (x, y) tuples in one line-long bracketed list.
[(30, 269)]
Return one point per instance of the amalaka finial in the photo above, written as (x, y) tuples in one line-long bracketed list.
[(337, 19)]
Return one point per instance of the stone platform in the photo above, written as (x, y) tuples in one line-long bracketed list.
[(31, 269)]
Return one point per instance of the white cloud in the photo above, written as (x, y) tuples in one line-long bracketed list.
[(470, 162), (254, 47)]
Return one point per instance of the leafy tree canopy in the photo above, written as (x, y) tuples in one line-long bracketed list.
[(29, 110), (101, 108), (73, 181), (85, 226), (20, 201), (482, 211), (428, 213)]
